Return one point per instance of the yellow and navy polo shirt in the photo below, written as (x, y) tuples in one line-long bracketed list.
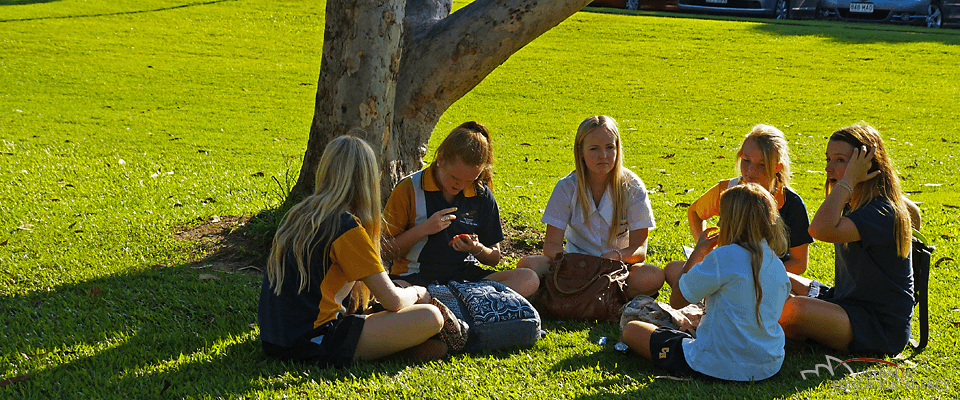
[(477, 213), (789, 204), (352, 257)]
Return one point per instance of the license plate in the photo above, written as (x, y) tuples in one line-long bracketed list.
[(861, 7), (717, 1)]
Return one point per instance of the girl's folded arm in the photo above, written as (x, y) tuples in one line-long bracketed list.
[(636, 251), (829, 225), (389, 295)]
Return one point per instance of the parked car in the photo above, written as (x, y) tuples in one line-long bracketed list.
[(926, 12), (655, 5), (779, 9), (945, 13)]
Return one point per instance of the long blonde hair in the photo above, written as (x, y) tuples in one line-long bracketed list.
[(748, 216), (470, 143), (773, 145), (886, 184), (616, 179), (347, 181)]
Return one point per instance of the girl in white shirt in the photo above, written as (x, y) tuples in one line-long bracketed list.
[(601, 209), (744, 286)]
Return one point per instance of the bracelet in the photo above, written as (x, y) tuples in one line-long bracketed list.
[(478, 253), (619, 254), (845, 186)]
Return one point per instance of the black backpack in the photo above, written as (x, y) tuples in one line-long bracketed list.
[(497, 316)]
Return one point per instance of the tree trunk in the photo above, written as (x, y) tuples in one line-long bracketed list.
[(389, 81), (358, 80)]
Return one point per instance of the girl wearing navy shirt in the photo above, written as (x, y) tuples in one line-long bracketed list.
[(867, 217)]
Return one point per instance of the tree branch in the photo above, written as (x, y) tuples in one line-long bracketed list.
[(443, 61)]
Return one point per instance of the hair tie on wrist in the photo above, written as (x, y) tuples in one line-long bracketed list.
[(846, 186)]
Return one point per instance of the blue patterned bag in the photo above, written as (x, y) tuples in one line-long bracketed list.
[(497, 316)]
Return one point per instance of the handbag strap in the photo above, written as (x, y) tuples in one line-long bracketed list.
[(556, 283)]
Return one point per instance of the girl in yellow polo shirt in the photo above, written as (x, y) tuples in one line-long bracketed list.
[(327, 248), (764, 159), (443, 223)]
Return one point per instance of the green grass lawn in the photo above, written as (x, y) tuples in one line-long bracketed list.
[(122, 121)]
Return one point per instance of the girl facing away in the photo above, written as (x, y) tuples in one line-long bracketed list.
[(327, 248), (764, 159), (443, 222), (744, 286), (601, 209), (868, 219)]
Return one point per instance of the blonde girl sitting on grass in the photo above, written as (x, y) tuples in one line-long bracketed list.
[(743, 284), (764, 159), (326, 248), (601, 209)]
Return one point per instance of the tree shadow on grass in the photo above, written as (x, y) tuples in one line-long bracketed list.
[(841, 31), (23, 2), (17, 2), (861, 33), (177, 330), (623, 372)]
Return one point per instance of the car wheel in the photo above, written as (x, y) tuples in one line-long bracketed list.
[(934, 16), (821, 13), (782, 9)]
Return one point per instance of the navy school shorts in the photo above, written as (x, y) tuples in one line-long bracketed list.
[(332, 344), (666, 349)]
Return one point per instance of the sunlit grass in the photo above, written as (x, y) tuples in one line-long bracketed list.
[(119, 122)]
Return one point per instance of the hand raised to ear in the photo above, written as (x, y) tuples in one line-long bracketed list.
[(859, 166)]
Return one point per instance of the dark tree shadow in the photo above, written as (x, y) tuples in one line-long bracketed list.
[(626, 370), (170, 330), (840, 31), (23, 2), (16, 2), (861, 32)]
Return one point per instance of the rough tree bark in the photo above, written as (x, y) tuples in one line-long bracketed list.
[(390, 68)]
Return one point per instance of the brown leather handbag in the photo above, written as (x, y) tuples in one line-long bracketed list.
[(582, 287)]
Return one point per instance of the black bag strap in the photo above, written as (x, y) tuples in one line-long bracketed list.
[(921, 254)]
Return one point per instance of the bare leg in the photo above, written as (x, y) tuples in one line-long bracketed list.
[(672, 274), (644, 279), (540, 264), (637, 335), (385, 333), (809, 318), (522, 280)]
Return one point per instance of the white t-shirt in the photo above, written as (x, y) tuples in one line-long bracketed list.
[(563, 212), (730, 344)]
